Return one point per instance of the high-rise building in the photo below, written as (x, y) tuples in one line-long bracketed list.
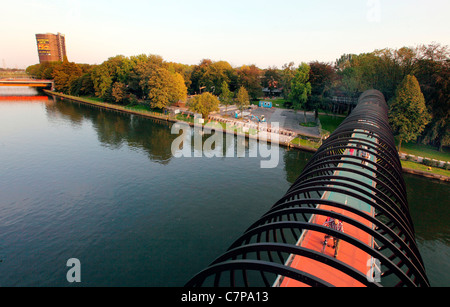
[(51, 47)]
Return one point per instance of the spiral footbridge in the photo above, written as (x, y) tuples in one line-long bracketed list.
[(356, 178)]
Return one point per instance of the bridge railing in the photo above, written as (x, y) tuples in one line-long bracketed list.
[(260, 256)]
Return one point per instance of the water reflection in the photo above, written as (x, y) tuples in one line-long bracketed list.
[(116, 129), (18, 91), (123, 215), (430, 208)]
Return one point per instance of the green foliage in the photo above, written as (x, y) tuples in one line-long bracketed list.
[(249, 77), (203, 104), (410, 158), (287, 74), (300, 88), (242, 99), (226, 96), (209, 76), (408, 114), (330, 123), (447, 166), (141, 78), (159, 87), (64, 75)]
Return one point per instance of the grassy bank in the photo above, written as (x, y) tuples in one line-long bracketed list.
[(424, 168), (425, 151), (330, 122)]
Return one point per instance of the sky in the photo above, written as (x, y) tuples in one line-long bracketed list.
[(241, 32)]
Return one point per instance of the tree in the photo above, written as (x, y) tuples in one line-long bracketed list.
[(208, 76), (226, 97), (203, 104), (321, 77), (159, 88), (408, 113), (119, 92), (249, 77), (242, 99), (64, 74), (271, 79), (178, 88), (287, 74), (300, 88), (433, 74)]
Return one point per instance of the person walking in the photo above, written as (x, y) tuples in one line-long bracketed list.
[(335, 224)]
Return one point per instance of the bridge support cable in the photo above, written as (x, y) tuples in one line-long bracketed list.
[(354, 177)]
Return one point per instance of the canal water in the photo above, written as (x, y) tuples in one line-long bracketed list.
[(103, 187)]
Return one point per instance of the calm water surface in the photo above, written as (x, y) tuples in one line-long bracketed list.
[(103, 187)]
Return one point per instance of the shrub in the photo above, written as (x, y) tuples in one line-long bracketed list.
[(412, 158)]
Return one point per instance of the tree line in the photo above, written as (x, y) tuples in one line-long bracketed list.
[(151, 80)]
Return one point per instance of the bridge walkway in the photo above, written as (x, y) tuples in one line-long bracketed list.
[(348, 254)]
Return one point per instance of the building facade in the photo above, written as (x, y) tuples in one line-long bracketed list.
[(51, 47)]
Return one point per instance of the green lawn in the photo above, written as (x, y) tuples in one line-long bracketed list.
[(330, 122), (421, 167), (94, 99), (306, 143), (425, 151)]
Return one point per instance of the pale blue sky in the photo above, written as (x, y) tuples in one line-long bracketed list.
[(265, 33)]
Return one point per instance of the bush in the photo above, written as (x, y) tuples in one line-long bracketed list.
[(447, 166), (413, 159)]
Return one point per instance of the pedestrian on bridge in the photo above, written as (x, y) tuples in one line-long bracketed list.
[(335, 224)]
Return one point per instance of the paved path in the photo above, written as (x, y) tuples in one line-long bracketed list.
[(348, 254), (289, 120)]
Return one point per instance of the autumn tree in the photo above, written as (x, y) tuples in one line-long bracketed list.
[(164, 88), (209, 76), (408, 114), (242, 99), (119, 92), (300, 88), (203, 104), (271, 79), (249, 77), (321, 77), (115, 69), (64, 74), (178, 88)]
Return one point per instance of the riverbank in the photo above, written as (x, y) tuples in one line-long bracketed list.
[(165, 117), (292, 143)]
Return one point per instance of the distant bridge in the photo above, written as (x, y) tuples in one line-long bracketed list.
[(27, 82)]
